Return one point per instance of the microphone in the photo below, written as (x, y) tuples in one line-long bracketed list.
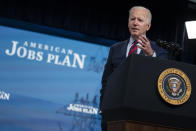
[(171, 47)]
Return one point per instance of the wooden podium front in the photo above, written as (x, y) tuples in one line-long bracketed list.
[(138, 126)]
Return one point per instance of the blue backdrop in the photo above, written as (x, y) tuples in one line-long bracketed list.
[(49, 83)]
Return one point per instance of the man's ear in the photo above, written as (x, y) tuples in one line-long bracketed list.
[(148, 26)]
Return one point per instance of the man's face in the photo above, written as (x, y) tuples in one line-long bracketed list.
[(138, 22)]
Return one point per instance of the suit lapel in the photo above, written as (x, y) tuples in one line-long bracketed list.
[(141, 52), (124, 49)]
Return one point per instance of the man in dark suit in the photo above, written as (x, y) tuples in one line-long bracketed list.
[(139, 23)]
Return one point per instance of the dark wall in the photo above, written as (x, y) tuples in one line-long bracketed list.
[(96, 18)]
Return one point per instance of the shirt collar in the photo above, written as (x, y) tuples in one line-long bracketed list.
[(131, 40)]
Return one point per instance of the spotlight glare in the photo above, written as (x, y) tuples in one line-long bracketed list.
[(191, 29)]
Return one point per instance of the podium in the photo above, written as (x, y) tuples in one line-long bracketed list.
[(131, 99)]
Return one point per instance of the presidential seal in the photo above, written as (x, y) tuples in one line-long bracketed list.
[(174, 86)]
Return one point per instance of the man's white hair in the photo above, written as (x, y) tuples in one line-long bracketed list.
[(149, 17)]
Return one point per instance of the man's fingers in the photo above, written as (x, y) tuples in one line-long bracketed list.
[(143, 39), (140, 46), (142, 43)]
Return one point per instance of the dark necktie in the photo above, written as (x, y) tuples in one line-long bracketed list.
[(133, 48)]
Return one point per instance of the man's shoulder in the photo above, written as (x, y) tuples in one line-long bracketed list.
[(120, 43), (160, 52), (155, 45)]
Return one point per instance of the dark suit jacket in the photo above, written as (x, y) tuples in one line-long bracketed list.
[(117, 55)]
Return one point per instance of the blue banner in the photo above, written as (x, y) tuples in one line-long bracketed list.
[(49, 83)]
